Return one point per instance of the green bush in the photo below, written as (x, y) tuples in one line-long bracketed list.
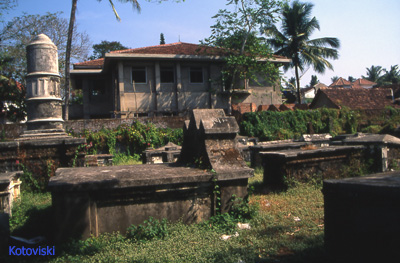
[(241, 212), (36, 175), (150, 229), (133, 139), (272, 125)]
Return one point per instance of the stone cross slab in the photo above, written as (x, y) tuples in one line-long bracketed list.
[(209, 140), (93, 200)]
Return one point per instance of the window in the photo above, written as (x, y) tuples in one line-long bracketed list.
[(167, 75), (98, 87), (196, 75), (139, 75)]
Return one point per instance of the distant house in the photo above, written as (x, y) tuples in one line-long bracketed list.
[(168, 79), (309, 92), (341, 83), (363, 83), (359, 83), (356, 99)]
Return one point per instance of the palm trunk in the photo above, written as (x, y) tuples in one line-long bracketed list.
[(68, 57), (297, 84)]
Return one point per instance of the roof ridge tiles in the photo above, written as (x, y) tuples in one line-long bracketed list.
[(154, 46)]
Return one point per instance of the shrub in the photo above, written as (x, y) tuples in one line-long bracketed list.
[(241, 211), (150, 229), (272, 125), (36, 175), (133, 139)]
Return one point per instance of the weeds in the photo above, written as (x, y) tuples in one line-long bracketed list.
[(287, 227), (126, 159), (150, 229)]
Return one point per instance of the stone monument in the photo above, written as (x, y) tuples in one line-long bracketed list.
[(43, 97), (44, 137), (93, 200)]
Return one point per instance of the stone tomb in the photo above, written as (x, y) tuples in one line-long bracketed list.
[(168, 153), (362, 218), (9, 190), (93, 200), (302, 164)]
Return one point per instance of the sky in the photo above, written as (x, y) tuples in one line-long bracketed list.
[(369, 30)]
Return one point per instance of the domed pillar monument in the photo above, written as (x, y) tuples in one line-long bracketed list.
[(43, 96), (44, 137)]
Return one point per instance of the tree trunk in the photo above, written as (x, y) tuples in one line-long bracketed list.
[(68, 58), (297, 84)]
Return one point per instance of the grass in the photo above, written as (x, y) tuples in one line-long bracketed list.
[(287, 228), (126, 159)]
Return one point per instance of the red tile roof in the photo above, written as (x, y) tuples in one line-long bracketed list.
[(178, 48), (363, 99), (340, 82), (359, 83), (96, 63)]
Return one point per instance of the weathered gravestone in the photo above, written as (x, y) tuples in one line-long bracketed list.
[(9, 190), (362, 218), (93, 200)]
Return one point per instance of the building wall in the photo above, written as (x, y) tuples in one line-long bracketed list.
[(156, 97), (121, 98), (98, 95)]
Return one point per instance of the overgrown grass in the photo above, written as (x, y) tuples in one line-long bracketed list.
[(31, 214), (287, 228), (126, 159)]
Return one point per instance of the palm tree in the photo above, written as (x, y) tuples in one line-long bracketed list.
[(351, 78), (314, 81), (374, 74), (392, 76), (293, 41), (135, 5), (334, 78)]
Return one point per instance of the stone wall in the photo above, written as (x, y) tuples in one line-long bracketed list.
[(41, 156)]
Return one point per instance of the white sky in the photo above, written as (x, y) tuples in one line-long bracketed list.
[(369, 30)]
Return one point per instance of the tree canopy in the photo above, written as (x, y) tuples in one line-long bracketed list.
[(162, 39), (12, 93), (99, 50), (239, 32), (294, 41), (18, 32)]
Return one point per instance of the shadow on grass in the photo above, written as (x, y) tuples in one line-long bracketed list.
[(39, 223), (259, 188)]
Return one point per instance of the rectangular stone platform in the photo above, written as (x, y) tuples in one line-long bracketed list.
[(362, 218), (93, 200), (300, 164)]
